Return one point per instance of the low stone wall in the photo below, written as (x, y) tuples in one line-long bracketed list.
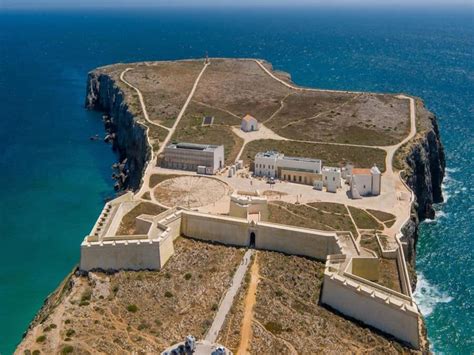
[(296, 241)]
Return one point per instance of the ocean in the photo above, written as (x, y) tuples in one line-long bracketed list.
[(54, 180)]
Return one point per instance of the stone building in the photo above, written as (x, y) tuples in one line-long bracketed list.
[(249, 124), (332, 178), (194, 157), (365, 182), (294, 169)]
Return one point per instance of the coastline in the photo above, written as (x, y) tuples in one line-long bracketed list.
[(422, 154)]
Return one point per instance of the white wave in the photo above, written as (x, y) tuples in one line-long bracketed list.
[(427, 296), (451, 170)]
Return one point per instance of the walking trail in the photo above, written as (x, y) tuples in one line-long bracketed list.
[(249, 303), (228, 299)]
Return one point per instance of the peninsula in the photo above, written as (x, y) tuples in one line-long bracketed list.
[(254, 216)]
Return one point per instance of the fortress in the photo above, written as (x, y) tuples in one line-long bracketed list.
[(348, 278)]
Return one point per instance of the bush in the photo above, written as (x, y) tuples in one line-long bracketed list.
[(67, 321), (115, 289), (168, 294), (86, 295), (168, 275), (158, 322), (41, 339), (70, 332), (35, 352), (68, 349), (132, 308), (274, 327), (84, 303), (187, 276), (214, 307), (143, 325)]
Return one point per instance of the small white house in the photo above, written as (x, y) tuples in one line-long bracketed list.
[(365, 182), (249, 124), (332, 178)]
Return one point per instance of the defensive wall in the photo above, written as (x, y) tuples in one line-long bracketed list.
[(348, 278)]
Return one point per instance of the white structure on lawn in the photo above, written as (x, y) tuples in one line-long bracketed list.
[(365, 182), (249, 124), (205, 158), (332, 178), (277, 165)]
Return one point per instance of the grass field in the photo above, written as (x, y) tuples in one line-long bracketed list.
[(127, 226)]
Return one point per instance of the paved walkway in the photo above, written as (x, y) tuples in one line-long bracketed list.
[(228, 299)]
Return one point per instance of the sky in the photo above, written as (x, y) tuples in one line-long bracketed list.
[(8, 4)]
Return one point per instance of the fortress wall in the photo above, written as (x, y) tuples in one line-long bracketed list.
[(166, 249), (388, 314), (221, 229), (131, 254), (297, 241)]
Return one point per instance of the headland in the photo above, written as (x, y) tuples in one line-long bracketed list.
[(301, 233)]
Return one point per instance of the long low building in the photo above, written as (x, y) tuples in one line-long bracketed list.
[(205, 158), (295, 169)]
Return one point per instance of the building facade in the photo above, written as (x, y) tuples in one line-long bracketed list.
[(193, 157), (294, 169), (365, 182), (332, 178), (249, 124)]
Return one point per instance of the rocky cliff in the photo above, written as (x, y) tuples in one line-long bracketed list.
[(423, 161), (129, 136)]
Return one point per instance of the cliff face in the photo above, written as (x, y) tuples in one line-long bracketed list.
[(425, 169), (129, 136)]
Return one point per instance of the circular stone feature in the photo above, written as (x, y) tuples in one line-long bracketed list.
[(190, 191)]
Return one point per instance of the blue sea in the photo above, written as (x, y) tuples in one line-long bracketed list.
[(53, 179)]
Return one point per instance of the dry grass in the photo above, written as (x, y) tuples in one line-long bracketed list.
[(308, 217), (190, 130), (364, 220), (127, 226), (288, 312), (155, 179), (343, 118), (332, 155), (146, 311), (381, 216)]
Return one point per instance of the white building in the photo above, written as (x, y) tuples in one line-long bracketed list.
[(249, 124), (365, 182), (294, 169), (194, 157), (332, 178)]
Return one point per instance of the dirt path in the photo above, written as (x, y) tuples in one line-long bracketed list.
[(249, 303)]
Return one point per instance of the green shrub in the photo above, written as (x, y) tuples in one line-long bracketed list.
[(41, 339), (70, 332), (158, 322), (168, 294), (274, 327), (86, 295), (214, 307), (84, 303), (36, 352), (68, 349), (132, 308), (187, 276), (67, 321)]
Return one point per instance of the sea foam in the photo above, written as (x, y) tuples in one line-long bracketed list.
[(427, 296)]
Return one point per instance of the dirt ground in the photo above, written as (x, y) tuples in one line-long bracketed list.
[(139, 312), (190, 191)]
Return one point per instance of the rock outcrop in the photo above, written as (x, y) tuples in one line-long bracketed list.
[(424, 164), (129, 135)]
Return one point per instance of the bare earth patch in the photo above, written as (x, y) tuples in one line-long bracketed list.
[(190, 191)]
